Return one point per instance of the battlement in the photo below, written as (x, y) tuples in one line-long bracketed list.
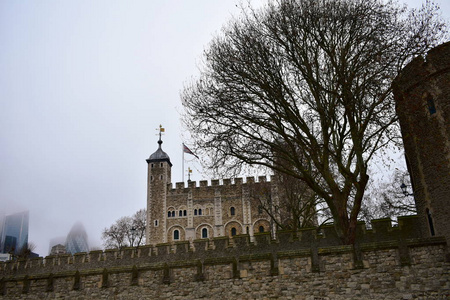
[(221, 182), (308, 240), (422, 68), (385, 260)]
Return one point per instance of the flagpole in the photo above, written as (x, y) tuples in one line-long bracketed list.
[(182, 164)]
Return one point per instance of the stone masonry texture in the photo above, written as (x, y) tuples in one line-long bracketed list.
[(386, 263)]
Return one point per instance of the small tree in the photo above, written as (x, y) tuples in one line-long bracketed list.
[(309, 81), (24, 252), (295, 205), (126, 231), (386, 199)]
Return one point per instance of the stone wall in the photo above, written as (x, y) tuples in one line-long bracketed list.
[(386, 263), (422, 95)]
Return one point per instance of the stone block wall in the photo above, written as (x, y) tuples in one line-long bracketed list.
[(389, 264)]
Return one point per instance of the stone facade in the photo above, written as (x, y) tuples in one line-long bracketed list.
[(422, 95), (386, 263), (187, 213)]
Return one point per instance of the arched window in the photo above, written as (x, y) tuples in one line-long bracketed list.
[(180, 213), (199, 211), (261, 228), (195, 212), (233, 231), (204, 233), (232, 211), (184, 213), (173, 213), (176, 235), (169, 214)]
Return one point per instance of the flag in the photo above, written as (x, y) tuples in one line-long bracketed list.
[(161, 129), (187, 150)]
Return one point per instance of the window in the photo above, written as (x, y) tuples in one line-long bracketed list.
[(161, 165), (176, 235), (195, 212), (151, 177), (169, 214), (431, 106), (233, 231), (161, 177), (173, 213), (248, 230), (152, 165), (261, 228), (430, 222), (232, 211), (200, 212), (204, 233), (156, 223), (184, 213), (180, 213)]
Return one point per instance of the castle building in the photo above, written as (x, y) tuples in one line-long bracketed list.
[(422, 95), (205, 211)]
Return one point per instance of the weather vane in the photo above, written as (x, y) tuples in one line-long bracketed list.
[(189, 174), (160, 131)]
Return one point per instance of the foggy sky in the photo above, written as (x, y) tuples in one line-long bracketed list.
[(83, 86)]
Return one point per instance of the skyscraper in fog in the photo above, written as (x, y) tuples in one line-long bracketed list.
[(14, 233), (77, 239)]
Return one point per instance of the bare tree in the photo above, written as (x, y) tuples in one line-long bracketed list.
[(387, 200), (126, 231), (295, 205), (308, 82), (24, 252)]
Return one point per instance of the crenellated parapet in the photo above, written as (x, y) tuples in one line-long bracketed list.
[(389, 255), (308, 240), (217, 183)]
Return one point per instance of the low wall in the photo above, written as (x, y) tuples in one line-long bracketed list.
[(386, 263)]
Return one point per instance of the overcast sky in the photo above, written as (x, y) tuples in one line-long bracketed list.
[(83, 86)]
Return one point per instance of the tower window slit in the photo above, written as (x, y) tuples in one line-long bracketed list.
[(431, 106)]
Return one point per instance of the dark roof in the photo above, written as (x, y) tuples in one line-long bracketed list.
[(159, 155)]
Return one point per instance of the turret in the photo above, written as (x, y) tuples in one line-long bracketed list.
[(422, 95), (159, 176)]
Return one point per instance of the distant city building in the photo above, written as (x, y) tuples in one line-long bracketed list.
[(55, 241), (77, 239), (58, 249), (14, 234), (5, 256)]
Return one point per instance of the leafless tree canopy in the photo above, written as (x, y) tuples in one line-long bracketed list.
[(307, 81), (126, 232), (386, 199)]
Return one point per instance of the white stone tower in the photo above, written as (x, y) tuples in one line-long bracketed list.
[(159, 176)]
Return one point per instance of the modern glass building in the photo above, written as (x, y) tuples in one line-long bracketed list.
[(77, 240), (14, 234)]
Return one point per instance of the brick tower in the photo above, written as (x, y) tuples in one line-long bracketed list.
[(159, 175), (422, 95)]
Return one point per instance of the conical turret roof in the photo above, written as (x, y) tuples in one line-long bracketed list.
[(159, 155)]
